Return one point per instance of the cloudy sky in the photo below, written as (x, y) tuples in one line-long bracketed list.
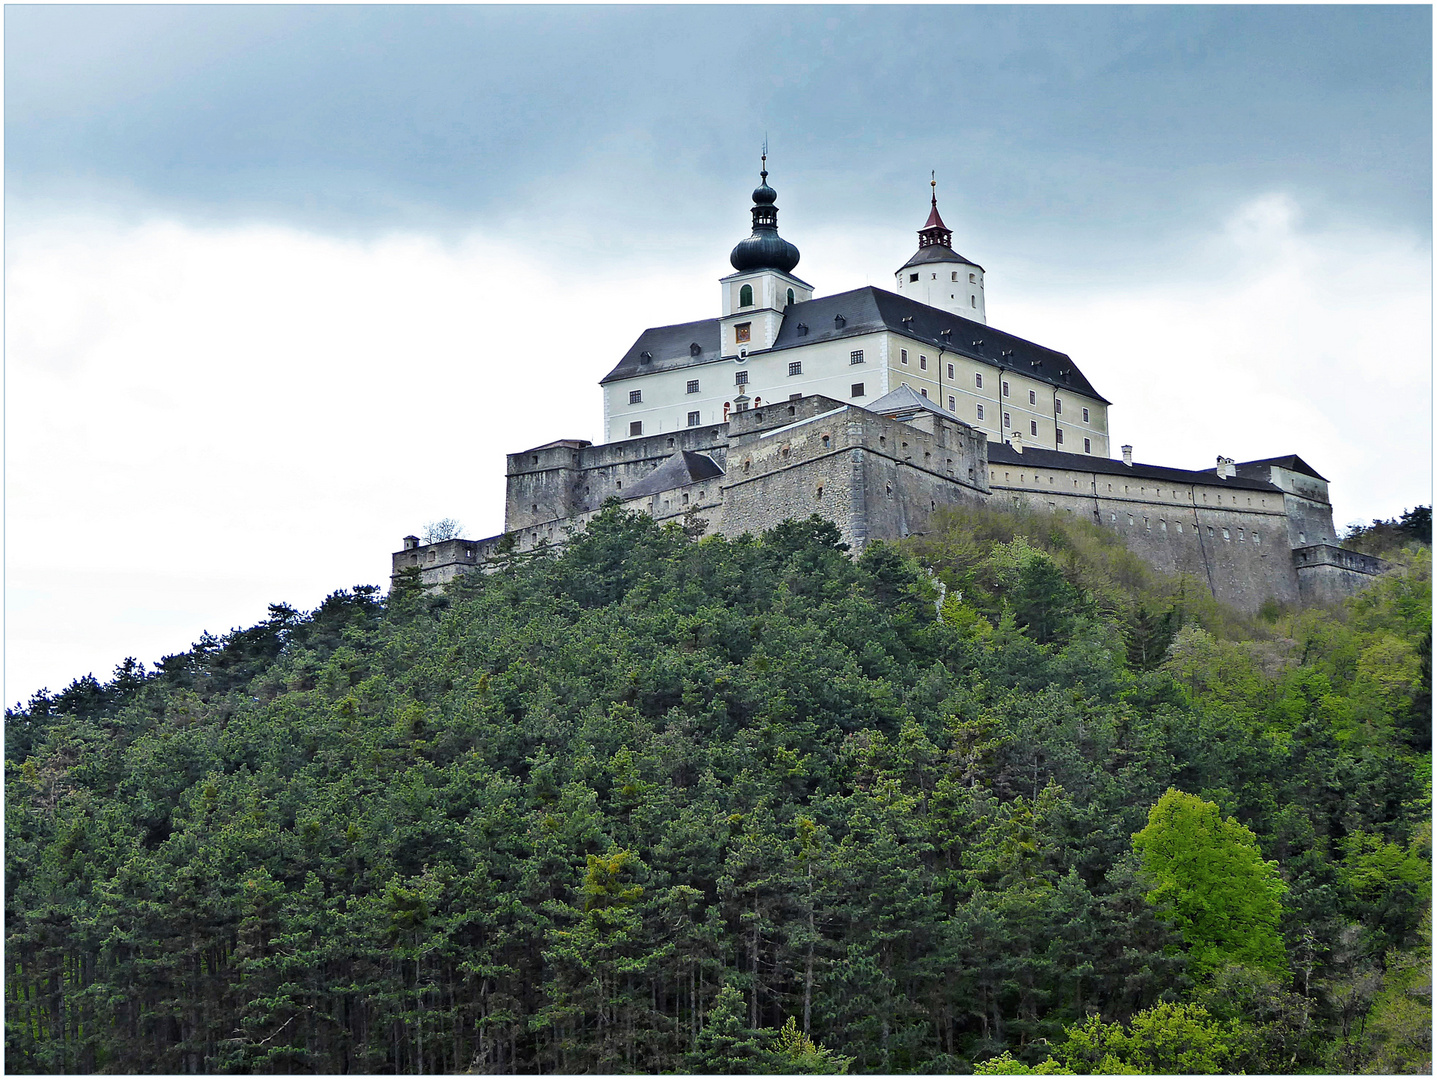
[(285, 283)]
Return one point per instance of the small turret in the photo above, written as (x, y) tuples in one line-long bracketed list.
[(937, 275)]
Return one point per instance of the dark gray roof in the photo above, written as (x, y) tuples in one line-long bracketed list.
[(907, 400), (1002, 453), (1293, 463), (868, 310), (685, 467), (669, 347), (931, 253)]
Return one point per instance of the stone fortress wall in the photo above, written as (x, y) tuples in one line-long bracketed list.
[(1250, 532)]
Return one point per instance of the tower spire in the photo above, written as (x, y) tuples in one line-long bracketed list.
[(934, 231), (765, 249)]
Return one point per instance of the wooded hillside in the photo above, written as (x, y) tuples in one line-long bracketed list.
[(1002, 796)]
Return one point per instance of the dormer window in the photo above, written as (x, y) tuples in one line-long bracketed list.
[(745, 296)]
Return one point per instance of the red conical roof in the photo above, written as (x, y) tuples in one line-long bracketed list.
[(934, 221)]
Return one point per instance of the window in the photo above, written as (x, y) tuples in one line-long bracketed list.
[(1180, 527), (952, 405), (903, 356), (1033, 427), (922, 363), (745, 296), (1226, 535), (1060, 436), (955, 275), (1058, 405), (741, 331), (636, 428), (856, 390), (693, 419), (1007, 422), (978, 380), (1005, 387), (856, 357), (635, 396), (1085, 416), (950, 371), (740, 377), (912, 277), (972, 301), (1032, 397), (980, 412), (973, 279), (1087, 446), (693, 386), (1256, 539), (790, 298), (796, 367)]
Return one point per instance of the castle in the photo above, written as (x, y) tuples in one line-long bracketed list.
[(874, 409)]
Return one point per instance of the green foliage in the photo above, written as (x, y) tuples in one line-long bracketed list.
[(1381, 537), (1166, 1039), (651, 803), (727, 1045), (795, 1053), (1225, 899)]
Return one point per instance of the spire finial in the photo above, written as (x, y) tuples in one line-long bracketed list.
[(763, 166), (933, 181)]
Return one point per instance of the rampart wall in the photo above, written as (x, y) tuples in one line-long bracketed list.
[(876, 477)]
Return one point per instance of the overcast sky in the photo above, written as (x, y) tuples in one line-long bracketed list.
[(286, 283)]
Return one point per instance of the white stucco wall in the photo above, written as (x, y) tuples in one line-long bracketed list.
[(946, 285)]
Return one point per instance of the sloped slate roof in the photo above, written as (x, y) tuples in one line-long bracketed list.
[(684, 467), (1002, 453), (906, 399), (869, 310), (670, 347), (865, 311), (937, 253), (1291, 462)]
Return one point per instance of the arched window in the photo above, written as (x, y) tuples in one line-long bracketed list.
[(745, 296), (790, 297)]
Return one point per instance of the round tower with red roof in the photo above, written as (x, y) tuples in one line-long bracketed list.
[(937, 275)]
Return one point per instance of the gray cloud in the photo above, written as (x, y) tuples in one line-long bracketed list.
[(1080, 122)]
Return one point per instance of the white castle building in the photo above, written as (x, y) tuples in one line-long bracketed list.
[(877, 409), (773, 340)]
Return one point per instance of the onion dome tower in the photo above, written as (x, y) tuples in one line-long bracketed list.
[(937, 275), (765, 249), (763, 285)]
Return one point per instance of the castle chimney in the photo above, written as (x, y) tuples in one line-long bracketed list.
[(1226, 467), (1015, 440), (1128, 456), (410, 543)]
